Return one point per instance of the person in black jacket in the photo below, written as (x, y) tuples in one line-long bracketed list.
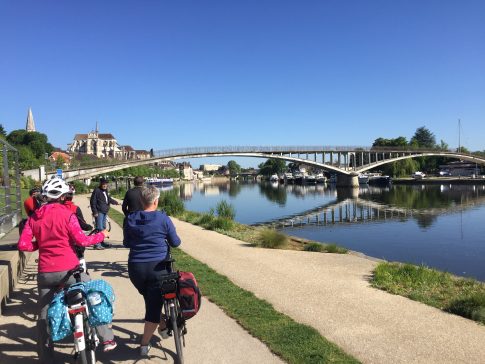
[(100, 203), (132, 200)]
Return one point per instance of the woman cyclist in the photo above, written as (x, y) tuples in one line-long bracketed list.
[(148, 233), (56, 230)]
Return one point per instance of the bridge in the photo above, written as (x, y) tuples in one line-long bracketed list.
[(346, 162)]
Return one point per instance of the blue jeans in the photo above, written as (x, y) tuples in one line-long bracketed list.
[(100, 224), (101, 221)]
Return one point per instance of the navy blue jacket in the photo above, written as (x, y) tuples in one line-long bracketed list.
[(147, 234)]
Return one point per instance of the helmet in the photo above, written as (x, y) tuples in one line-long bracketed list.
[(55, 188)]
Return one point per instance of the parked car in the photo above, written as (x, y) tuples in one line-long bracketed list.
[(418, 175)]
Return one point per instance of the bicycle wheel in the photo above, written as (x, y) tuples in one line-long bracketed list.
[(176, 333)]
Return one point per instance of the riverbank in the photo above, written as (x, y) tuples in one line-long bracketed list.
[(439, 181)]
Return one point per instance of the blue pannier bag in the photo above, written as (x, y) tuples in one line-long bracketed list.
[(58, 319), (100, 299)]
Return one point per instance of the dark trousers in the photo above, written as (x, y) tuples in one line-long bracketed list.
[(146, 277)]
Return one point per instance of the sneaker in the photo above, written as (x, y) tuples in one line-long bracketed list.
[(106, 245), (163, 332), (98, 247), (109, 345), (144, 349)]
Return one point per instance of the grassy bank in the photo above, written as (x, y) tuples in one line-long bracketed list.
[(461, 296), (292, 341)]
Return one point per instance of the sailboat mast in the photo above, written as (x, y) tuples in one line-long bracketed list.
[(459, 136)]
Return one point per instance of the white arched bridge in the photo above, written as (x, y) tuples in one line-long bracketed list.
[(346, 162)]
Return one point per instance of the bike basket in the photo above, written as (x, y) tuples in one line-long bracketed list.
[(100, 298), (59, 323)]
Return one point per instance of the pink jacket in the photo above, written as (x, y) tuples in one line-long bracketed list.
[(56, 230)]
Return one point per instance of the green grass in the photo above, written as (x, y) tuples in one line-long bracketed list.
[(269, 238), (324, 248), (461, 296), (292, 341)]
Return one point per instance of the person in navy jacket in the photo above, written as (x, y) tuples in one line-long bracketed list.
[(149, 234)]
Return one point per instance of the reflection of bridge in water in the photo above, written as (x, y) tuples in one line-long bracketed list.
[(358, 210)]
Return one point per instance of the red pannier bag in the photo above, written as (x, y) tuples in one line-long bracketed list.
[(188, 294)]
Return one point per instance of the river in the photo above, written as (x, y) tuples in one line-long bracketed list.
[(441, 226)]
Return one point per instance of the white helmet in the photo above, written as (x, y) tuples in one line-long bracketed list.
[(55, 188)]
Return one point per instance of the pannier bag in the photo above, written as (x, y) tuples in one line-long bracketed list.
[(59, 323), (188, 294), (99, 296), (100, 299)]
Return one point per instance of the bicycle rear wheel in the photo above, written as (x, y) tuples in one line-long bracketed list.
[(88, 355), (176, 334)]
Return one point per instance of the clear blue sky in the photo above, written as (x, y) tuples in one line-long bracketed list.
[(163, 74)]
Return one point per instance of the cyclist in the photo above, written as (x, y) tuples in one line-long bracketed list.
[(76, 210), (100, 204), (147, 233), (56, 231), (31, 203)]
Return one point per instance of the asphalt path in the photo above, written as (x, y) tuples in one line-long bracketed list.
[(212, 336)]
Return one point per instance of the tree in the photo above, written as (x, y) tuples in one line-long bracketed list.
[(397, 142), (3, 133), (234, 167), (423, 138), (272, 166)]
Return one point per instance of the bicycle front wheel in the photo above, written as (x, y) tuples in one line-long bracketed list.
[(176, 334)]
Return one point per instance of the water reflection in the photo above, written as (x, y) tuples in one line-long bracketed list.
[(442, 226)]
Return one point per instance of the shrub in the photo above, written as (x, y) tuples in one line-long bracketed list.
[(221, 223), (27, 182), (313, 247), (80, 187), (225, 210), (205, 220), (472, 307), (272, 239), (171, 203)]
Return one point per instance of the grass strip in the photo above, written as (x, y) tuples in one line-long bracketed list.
[(292, 341), (461, 296)]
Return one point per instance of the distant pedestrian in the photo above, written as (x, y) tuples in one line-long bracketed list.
[(132, 201), (100, 204)]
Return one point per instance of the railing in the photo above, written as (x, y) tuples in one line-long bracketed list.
[(10, 200)]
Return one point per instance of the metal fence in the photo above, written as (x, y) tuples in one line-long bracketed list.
[(10, 199)]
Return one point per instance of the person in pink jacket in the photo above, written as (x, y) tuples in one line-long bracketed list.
[(56, 230)]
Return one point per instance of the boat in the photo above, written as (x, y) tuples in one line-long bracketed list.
[(320, 177), (274, 178), (363, 179), (298, 177), (418, 175), (310, 178), (288, 178), (159, 182), (377, 179)]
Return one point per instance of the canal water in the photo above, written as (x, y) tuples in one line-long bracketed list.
[(438, 226)]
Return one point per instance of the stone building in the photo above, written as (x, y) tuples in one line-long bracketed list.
[(104, 146)]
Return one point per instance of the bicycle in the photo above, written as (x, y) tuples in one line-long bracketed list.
[(85, 337), (171, 310)]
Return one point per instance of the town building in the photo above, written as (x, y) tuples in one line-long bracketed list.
[(210, 167), (104, 145), (186, 171), (59, 155)]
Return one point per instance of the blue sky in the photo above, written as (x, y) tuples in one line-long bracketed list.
[(160, 74)]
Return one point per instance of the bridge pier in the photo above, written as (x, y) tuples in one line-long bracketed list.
[(345, 180)]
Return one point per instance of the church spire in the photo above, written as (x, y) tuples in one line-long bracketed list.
[(30, 126)]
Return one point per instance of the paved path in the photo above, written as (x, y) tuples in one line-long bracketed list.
[(331, 292), (212, 336)]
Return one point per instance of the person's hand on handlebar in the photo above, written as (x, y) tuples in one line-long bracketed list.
[(105, 233)]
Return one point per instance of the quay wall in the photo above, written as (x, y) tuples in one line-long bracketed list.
[(439, 181)]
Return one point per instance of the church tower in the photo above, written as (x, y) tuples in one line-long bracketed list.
[(30, 126)]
